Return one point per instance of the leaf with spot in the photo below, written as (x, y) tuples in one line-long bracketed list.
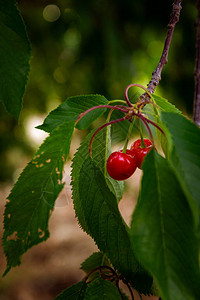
[(70, 109), (14, 57), (33, 196), (74, 292), (106, 226), (163, 234)]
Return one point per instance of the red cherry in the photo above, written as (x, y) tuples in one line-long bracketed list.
[(121, 166), (140, 152)]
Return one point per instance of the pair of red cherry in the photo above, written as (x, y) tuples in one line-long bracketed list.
[(121, 166)]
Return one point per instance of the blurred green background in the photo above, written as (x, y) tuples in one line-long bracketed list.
[(86, 47)]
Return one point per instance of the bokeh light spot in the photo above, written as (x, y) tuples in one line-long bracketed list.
[(34, 135), (72, 38), (51, 13)]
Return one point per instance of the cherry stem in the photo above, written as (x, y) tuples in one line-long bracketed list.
[(108, 277), (119, 101), (120, 108), (142, 140), (106, 150), (128, 136), (100, 128), (149, 130), (100, 269), (138, 85), (155, 125), (151, 122), (126, 96), (149, 102), (112, 277)]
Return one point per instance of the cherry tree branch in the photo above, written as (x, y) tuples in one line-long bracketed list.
[(156, 75), (174, 18), (196, 107)]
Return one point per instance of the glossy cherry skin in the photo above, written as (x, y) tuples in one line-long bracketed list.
[(139, 152), (121, 166)]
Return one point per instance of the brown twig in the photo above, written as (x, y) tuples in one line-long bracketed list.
[(156, 75), (196, 107)]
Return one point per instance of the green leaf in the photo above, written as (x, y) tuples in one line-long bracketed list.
[(100, 150), (72, 108), (74, 292), (97, 259), (106, 226), (185, 156), (165, 105), (162, 232), (102, 290), (14, 57), (32, 198)]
